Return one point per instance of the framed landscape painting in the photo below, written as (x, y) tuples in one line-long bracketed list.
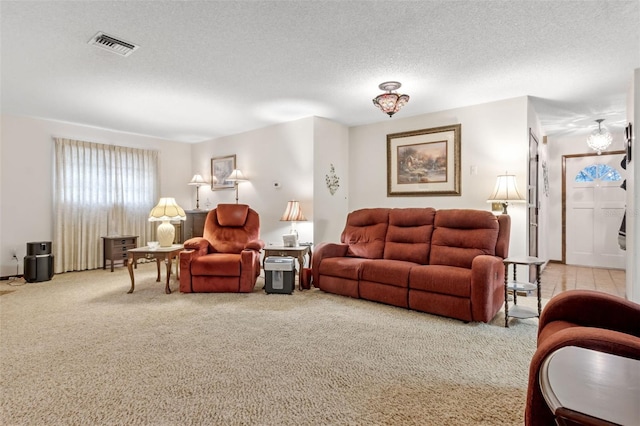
[(221, 168), (424, 162)]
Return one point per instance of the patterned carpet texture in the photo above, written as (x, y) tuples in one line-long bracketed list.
[(79, 350)]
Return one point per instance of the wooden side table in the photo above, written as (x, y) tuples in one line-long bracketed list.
[(114, 248), (520, 311), (161, 253), (298, 252), (587, 387)]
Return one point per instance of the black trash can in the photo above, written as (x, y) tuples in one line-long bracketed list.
[(38, 263)]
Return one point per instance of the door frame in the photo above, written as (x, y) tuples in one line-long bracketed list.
[(564, 194)]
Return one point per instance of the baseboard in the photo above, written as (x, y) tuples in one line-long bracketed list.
[(10, 277)]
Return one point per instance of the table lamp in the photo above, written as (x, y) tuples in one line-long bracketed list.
[(166, 210), (236, 177), (197, 180), (505, 192), (293, 214)]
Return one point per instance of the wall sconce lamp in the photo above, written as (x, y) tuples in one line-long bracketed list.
[(236, 177), (166, 210), (197, 180), (505, 192)]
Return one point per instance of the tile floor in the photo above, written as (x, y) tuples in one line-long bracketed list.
[(557, 278)]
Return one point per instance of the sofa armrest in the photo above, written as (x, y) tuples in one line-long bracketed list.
[(324, 250), (487, 287), (537, 413), (197, 244), (255, 245), (591, 308)]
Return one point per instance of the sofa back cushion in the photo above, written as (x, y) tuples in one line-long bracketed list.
[(409, 234), (365, 232), (229, 227), (460, 235)]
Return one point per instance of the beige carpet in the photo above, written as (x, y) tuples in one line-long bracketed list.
[(78, 350)]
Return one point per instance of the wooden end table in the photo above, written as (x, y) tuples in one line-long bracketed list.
[(516, 311), (161, 253), (298, 252)]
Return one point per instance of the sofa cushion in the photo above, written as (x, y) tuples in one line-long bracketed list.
[(409, 234), (365, 233), (392, 272), (219, 264), (461, 235), (449, 280), (343, 267)]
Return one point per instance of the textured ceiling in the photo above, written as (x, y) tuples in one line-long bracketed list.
[(206, 69)]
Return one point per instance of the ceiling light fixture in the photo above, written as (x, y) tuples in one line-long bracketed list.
[(600, 138), (390, 102)]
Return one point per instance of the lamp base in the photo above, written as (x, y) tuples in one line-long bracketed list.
[(166, 233)]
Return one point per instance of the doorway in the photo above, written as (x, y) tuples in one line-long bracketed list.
[(593, 204)]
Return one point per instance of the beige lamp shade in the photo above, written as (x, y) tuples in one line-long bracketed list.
[(293, 213), (166, 210), (505, 192), (236, 176), (198, 180)]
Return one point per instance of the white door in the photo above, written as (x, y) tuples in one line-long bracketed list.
[(595, 205)]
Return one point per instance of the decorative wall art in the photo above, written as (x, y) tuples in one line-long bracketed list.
[(424, 162), (333, 181), (221, 168)]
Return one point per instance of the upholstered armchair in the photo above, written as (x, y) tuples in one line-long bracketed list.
[(587, 319), (227, 257)]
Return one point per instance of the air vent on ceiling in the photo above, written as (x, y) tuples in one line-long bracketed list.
[(113, 44)]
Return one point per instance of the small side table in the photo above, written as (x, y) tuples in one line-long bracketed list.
[(298, 252), (587, 387), (114, 248), (161, 253), (515, 286)]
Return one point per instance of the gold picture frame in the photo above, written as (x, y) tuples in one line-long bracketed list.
[(424, 162), (221, 168)]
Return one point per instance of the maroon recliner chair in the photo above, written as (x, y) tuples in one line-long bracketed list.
[(587, 319), (226, 259)]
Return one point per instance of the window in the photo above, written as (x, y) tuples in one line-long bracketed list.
[(99, 190), (598, 172)]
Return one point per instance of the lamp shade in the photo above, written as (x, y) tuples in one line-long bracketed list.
[(293, 212), (505, 192), (198, 180), (236, 176), (167, 209), (506, 189)]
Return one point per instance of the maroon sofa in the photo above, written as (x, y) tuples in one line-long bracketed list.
[(444, 262)]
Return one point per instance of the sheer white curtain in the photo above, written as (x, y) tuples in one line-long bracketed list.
[(99, 190)]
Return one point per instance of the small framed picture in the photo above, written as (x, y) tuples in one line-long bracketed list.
[(221, 168)]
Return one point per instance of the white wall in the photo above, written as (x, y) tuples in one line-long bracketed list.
[(559, 146), (633, 202), (494, 139), (281, 153), (331, 146), (26, 158)]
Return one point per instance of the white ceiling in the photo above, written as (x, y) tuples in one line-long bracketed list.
[(206, 69)]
